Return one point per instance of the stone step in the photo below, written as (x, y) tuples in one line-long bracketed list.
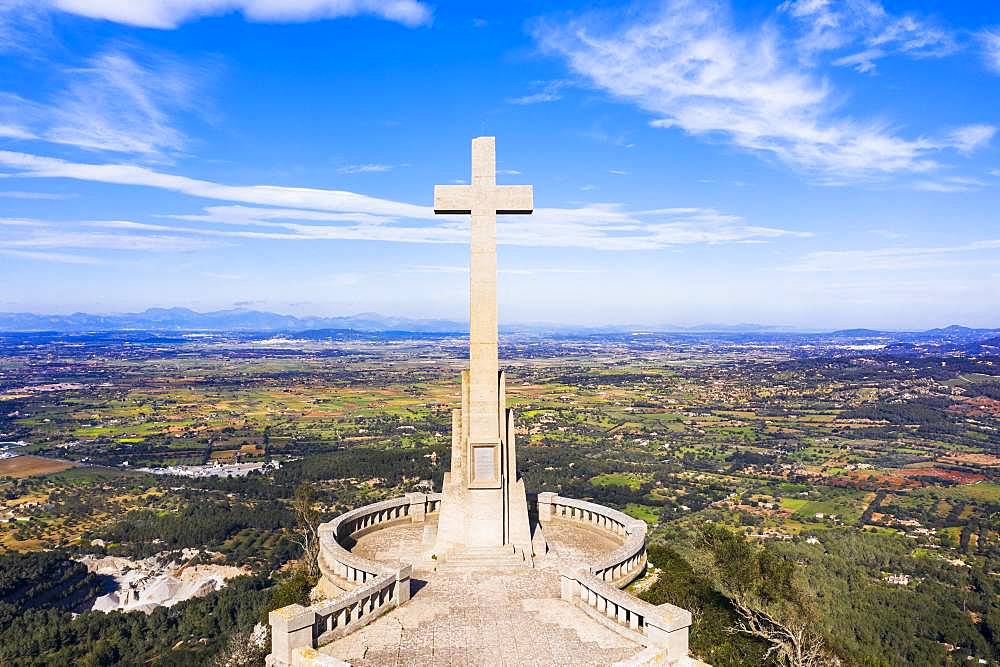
[(482, 557)]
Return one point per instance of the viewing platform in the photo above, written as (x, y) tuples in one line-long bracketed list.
[(394, 603)]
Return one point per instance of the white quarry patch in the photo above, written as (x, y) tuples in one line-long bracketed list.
[(7, 448), (213, 469), (144, 585)]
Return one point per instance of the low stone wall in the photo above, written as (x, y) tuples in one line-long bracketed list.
[(597, 587), (376, 588)]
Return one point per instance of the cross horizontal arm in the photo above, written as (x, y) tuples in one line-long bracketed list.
[(504, 199), (453, 199), (514, 199)]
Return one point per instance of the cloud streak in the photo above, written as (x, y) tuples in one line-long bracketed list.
[(971, 137), (104, 241), (990, 39), (551, 92), (896, 259), (60, 258), (169, 14), (279, 213), (21, 194), (597, 226), (34, 166), (364, 168)]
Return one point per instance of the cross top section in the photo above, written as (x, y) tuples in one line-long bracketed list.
[(483, 195)]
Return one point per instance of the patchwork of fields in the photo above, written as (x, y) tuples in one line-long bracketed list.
[(807, 451)]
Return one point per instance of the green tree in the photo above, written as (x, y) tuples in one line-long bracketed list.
[(306, 529), (769, 603)]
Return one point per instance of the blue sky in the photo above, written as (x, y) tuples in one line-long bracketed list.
[(811, 163)]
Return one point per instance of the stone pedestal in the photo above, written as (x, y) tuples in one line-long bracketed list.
[(480, 511)]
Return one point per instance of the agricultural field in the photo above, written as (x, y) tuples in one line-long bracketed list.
[(32, 466)]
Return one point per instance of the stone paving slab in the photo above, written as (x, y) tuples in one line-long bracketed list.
[(483, 617)]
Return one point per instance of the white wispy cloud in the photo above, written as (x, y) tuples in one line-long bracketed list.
[(863, 61), (596, 226), (15, 132), (887, 234), (37, 239), (23, 25), (22, 222), (116, 101), (866, 29), (691, 68), (19, 116), (526, 271), (36, 166), (105, 241), (990, 39), (949, 184), (265, 217), (21, 194), (972, 137), (897, 259), (61, 258), (364, 168), (551, 91), (168, 14), (267, 212)]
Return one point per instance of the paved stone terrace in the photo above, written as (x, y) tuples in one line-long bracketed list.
[(512, 617)]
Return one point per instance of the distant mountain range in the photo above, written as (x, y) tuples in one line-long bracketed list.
[(953, 334), (184, 319)]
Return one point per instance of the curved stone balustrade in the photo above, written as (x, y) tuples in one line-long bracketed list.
[(374, 588), (623, 565), (597, 587)]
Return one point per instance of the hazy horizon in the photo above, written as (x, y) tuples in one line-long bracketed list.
[(664, 326)]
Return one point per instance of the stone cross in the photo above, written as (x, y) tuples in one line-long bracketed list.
[(483, 198)]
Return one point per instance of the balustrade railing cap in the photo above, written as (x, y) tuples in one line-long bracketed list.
[(291, 618), (669, 617)]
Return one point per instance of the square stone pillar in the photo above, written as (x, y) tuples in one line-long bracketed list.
[(403, 584), (545, 506), (567, 586), (418, 507), (291, 628), (669, 629)]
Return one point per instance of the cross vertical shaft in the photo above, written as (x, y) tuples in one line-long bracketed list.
[(484, 363), (483, 198)]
